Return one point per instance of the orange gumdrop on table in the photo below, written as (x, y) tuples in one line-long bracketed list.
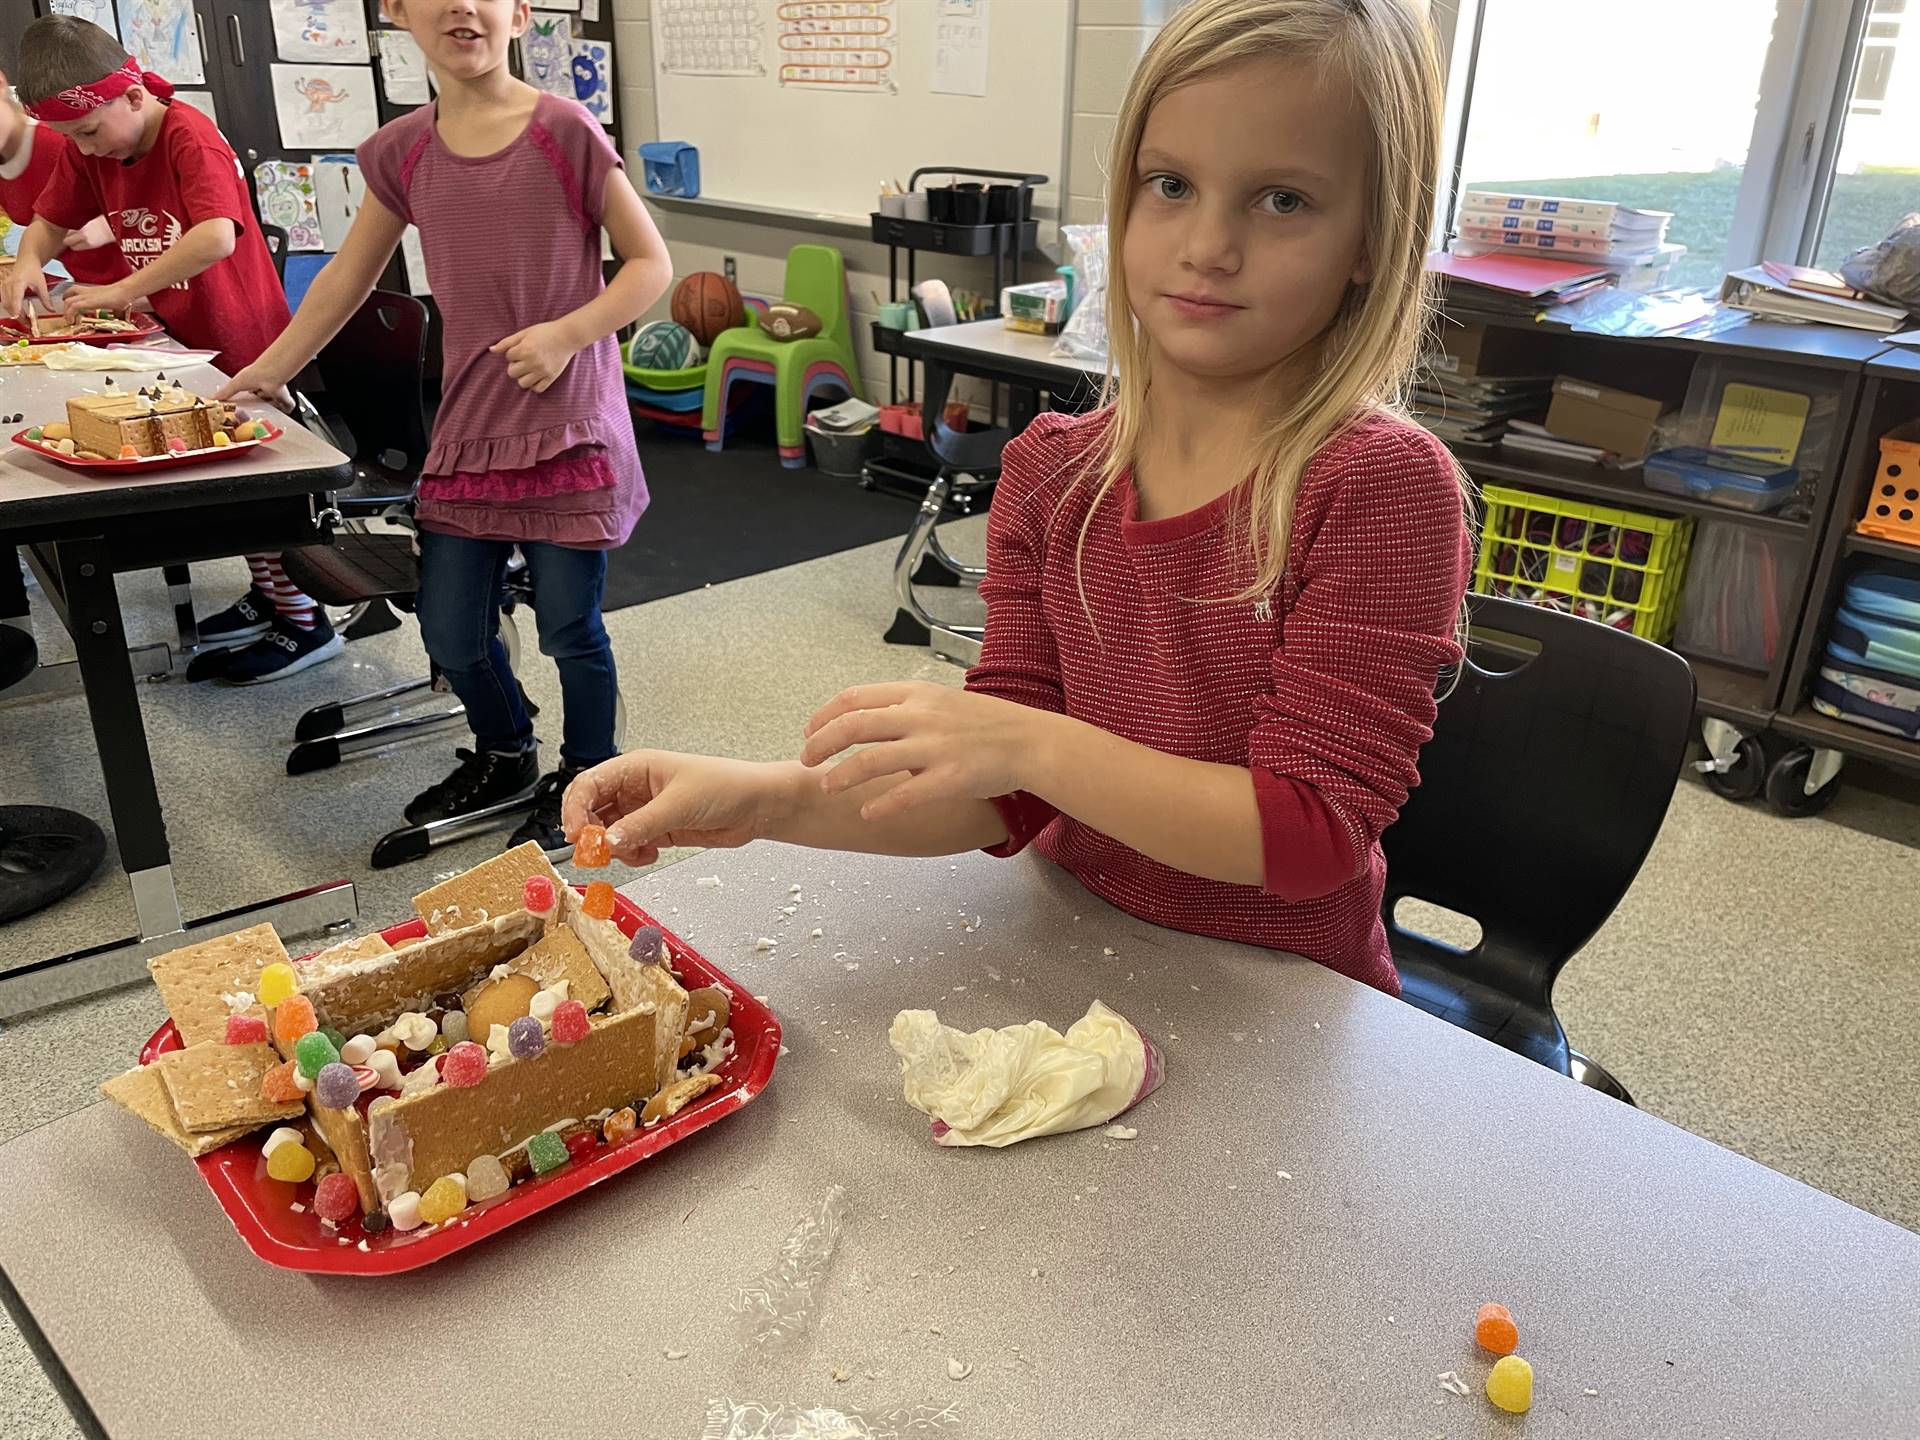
[(1495, 1331)]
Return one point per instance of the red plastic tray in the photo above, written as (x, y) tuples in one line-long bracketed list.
[(168, 461), (261, 1208), (12, 329)]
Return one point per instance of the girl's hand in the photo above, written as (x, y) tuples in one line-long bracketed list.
[(651, 799), (954, 745), (96, 297), (536, 356), (261, 381)]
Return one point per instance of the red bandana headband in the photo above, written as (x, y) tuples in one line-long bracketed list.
[(79, 101)]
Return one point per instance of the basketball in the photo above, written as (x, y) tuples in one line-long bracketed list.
[(663, 345), (706, 304)]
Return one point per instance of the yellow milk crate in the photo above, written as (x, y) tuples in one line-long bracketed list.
[(1619, 567)]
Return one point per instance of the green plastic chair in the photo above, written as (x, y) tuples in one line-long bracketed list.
[(797, 369)]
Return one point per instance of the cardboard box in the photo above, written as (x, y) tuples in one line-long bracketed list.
[(1615, 420), (1475, 350)]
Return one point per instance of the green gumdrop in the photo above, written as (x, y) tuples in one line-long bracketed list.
[(546, 1151), (314, 1052)]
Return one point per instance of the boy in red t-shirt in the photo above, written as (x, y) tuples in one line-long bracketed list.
[(28, 153), (170, 187)]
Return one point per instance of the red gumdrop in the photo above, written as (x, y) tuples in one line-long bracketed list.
[(246, 1030), (570, 1023), (537, 894), (336, 1198), (465, 1064)]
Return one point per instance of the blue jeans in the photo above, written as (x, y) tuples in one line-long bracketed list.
[(459, 606)]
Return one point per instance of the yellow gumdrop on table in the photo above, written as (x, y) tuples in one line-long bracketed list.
[(1510, 1386)]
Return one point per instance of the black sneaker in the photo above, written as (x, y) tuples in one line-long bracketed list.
[(543, 825), (248, 618), (286, 649), (488, 778)]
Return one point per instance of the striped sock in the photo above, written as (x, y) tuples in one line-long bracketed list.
[(262, 574), (287, 598)]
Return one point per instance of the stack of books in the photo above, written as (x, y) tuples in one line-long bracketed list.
[(1504, 284), (1794, 292), (1474, 411), (1628, 241)]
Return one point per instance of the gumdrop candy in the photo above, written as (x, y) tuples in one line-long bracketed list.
[(591, 851), (1495, 1331), (1510, 1386), (598, 904), (486, 1178), (221, 440), (276, 983), (445, 1198), (403, 1211), (292, 1018), (570, 1023), (246, 1030), (278, 1085), (314, 1052), (336, 1198), (647, 944), (336, 1086), (619, 1125), (537, 894), (292, 1161), (466, 1064), (546, 1151), (334, 1035), (127, 452), (525, 1038)]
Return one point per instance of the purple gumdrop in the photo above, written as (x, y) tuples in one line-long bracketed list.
[(336, 1086), (647, 941), (525, 1038)]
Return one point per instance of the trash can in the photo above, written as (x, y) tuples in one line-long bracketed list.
[(842, 454)]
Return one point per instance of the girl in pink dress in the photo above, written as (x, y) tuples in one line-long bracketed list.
[(533, 445)]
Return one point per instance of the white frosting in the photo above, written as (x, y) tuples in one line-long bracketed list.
[(415, 1031), (499, 1052), (543, 1004)]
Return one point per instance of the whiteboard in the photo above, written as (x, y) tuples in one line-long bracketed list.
[(795, 147)]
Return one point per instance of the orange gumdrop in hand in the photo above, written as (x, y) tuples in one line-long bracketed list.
[(591, 851), (1495, 1331)]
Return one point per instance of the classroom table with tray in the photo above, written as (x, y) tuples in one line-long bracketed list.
[(80, 527), (1295, 1243)]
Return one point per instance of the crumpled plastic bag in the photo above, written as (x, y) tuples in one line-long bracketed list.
[(998, 1087), (1084, 336), (1890, 270)]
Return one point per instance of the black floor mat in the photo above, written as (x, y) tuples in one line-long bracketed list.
[(718, 517)]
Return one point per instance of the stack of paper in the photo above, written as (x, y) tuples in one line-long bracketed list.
[(1786, 292), (1513, 284), (1535, 439), (1475, 411)]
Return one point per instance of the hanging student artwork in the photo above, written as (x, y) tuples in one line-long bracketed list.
[(593, 78), (324, 107), (330, 31), (99, 12), (287, 200), (164, 36), (201, 100), (338, 188), (546, 54), (839, 45), (403, 69)]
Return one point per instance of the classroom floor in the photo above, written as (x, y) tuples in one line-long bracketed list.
[(1755, 987)]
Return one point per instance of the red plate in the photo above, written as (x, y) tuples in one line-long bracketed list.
[(11, 329), (170, 460), (261, 1208)]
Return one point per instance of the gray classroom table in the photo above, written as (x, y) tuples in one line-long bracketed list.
[(1185, 1286)]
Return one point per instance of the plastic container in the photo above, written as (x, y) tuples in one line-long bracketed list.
[(1893, 503), (1739, 582), (670, 167), (1721, 479), (1618, 567)]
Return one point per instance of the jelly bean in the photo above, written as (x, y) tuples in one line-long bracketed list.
[(546, 1151), (537, 894), (453, 1027), (619, 1125), (403, 1211), (314, 1052), (1495, 1331), (336, 1086), (246, 1030), (581, 1145), (445, 1198), (291, 1162), (292, 1018), (599, 902), (591, 851), (570, 1023), (647, 944), (1510, 1386), (278, 1085), (525, 1038), (486, 1178), (466, 1064), (276, 983), (336, 1198), (358, 1051)]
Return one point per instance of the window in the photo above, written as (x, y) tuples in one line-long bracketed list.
[(1876, 173)]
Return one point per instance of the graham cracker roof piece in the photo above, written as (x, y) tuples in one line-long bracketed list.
[(215, 1086), (141, 1092), (193, 979), (489, 890)]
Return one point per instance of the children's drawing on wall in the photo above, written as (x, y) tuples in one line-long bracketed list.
[(333, 32), (164, 36), (324, 107)]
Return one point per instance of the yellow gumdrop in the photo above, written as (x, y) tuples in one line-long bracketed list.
[(220, 438), (277, 983), (1510, 1386), (445, 1198), (291, 1162)]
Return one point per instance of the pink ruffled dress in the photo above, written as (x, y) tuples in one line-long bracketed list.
[(512, 240)]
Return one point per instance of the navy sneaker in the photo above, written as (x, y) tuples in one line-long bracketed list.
[(284, 650), (542, 826), (248, 618), (491, 777)]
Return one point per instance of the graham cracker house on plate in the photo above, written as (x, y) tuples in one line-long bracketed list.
[(389, 1013), (147, 421)]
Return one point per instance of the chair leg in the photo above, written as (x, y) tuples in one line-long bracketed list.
[(1595, 1076), (913, 549), (970, 575)]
